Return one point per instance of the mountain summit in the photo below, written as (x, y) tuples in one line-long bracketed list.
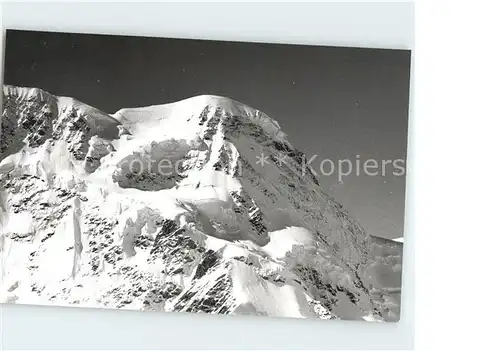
[(201, 205)]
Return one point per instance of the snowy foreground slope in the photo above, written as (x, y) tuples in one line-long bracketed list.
[(165, 208)]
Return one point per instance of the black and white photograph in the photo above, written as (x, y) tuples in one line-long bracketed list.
[(186, 175)]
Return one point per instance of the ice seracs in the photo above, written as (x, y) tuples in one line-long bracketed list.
[(164, 208), (9, 163)]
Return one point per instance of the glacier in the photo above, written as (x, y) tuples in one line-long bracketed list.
[(164, 208)]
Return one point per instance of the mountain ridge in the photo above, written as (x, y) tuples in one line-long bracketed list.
[(221, 234)]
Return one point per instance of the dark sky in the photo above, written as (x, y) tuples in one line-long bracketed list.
[(334, 102)]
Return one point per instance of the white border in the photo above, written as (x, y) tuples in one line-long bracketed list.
[(388, 25), (456, 173)]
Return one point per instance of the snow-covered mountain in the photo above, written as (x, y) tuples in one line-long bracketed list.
[(202, 205)]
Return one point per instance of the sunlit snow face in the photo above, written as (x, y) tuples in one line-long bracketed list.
[(102, 220)]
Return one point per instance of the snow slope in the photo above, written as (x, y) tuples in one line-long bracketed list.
[(165, 208)]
